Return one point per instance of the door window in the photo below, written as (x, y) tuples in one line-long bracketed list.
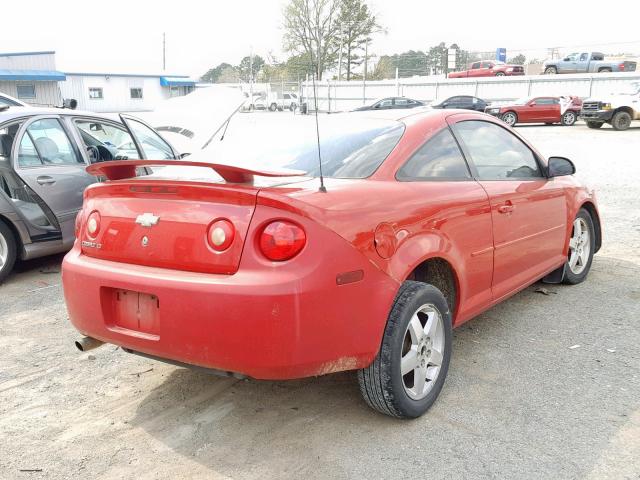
[(439, 158), (497, 153), (152, 144), (46, 143), (545, 101), (385, 103), (475, 66), (584, 57), (402, 102), (111, 142), (487, 64)]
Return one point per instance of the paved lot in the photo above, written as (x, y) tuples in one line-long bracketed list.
[(519, 402)]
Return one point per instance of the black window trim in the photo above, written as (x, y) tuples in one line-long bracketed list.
[(470, 178), (472, 166)]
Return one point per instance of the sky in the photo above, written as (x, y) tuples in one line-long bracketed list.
[(126, 36)]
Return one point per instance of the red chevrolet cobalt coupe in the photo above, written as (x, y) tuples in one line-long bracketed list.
[(237, 260)]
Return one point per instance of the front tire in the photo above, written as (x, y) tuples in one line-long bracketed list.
[(273, 107), (510, 118), (8, 251), (500, 74), (621, 121), (409, 371), (581, 247), (594, 124), (569, 118), (550, 71)]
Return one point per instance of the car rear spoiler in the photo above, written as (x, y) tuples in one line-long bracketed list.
[(121, 169)]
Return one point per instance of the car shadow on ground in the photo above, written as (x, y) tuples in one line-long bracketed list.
[(499, 395)]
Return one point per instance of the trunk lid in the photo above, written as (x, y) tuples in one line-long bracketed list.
[(165, 224)]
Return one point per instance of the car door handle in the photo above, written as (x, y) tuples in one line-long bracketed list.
[(45, 180), (507, 207)]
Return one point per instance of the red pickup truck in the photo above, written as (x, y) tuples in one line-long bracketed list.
[(488, 68)]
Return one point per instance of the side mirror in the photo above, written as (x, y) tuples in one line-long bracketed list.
[(70, 103), (532, 104), (566, 59), (377, 105), (560, 166)]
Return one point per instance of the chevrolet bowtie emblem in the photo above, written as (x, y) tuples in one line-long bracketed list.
[(147, 220)]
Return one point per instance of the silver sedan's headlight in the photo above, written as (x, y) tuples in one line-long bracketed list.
[(493, 110)]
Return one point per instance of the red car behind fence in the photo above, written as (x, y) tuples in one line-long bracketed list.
[(549, 110), (488, 69)]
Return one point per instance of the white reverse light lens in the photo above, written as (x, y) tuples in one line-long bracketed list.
[(92, 225), (218, 236)]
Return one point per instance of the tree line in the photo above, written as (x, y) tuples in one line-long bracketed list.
[(323, 36)]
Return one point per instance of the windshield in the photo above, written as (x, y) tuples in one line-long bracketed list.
[(350, 147)]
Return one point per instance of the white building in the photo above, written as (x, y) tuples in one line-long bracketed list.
[(32, 77)]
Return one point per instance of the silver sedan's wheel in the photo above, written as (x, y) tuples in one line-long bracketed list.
[(4, 251), (510, 118), (422, 352), (8, 250), (579, 246)]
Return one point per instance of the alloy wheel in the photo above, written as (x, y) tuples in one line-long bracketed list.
[(422, 352), (509, 118), (579, 246), (4, 251)]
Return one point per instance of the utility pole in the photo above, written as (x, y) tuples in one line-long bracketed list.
[(251, 75), (364, 77), (340, 54), (164, 51)]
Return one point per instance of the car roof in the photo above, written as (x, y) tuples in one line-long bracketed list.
[(19, 112)]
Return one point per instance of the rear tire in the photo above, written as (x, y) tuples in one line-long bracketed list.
[(273, 107), (594, 124), (510, 118), (621, 121), (8, 251), (604, 70), (581, 246), (569, 118), (417, 337), (550, 71)]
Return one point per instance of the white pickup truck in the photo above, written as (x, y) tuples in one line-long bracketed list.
[(618, 110)]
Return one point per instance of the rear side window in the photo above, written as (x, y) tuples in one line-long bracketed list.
[(46, 143), (439, 158), (497, 153)]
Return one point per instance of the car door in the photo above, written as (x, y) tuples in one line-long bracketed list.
[(582, 64), (474, 71), (547, 110), (569, 64), (149, 142), (466, 102), (528, 210), (458, 207), (50, 163)]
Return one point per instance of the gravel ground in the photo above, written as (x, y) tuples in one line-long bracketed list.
[(541, 386)]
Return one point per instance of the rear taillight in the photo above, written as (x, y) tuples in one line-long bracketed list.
[(621, 67), (220, 235), (282, 240), (93, 224)]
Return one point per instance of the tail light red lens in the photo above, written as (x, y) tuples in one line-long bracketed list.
[(93, 224), (220, 235), (282, 240)]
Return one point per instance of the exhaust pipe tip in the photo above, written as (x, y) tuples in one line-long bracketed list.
[(88, 343)]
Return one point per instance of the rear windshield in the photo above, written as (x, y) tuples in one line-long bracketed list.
[(350, 146)]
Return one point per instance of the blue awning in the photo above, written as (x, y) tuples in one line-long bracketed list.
[(177, 82), (46, 75)]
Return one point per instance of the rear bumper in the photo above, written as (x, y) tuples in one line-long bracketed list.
[(596, 116), (281, 322)]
